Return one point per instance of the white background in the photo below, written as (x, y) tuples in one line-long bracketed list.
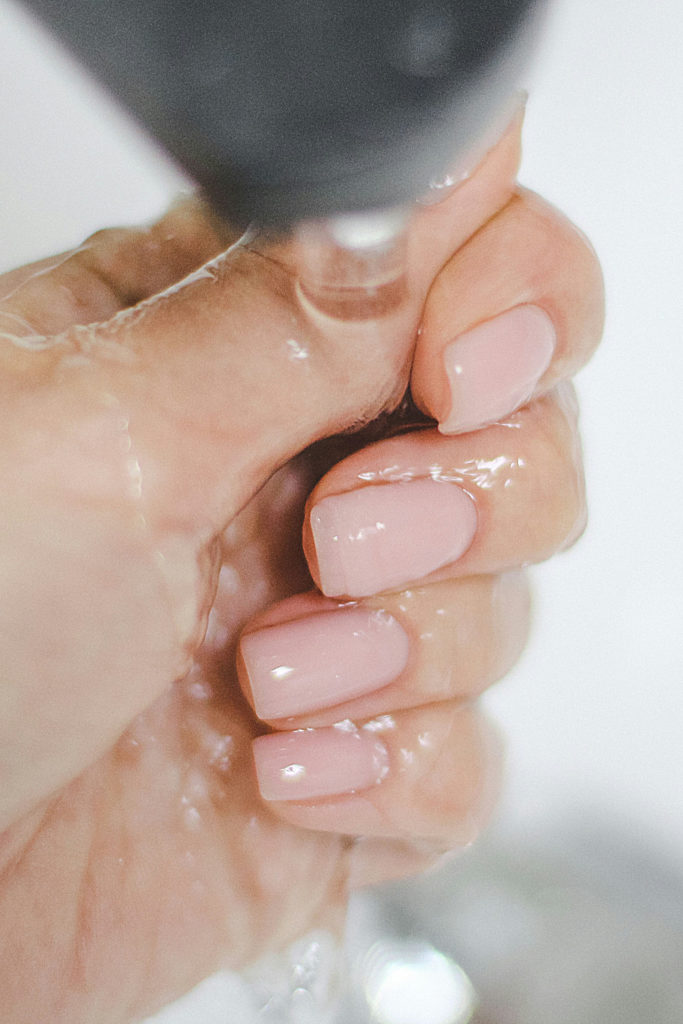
[(594, 714)]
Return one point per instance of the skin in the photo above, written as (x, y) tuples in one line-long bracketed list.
[(153, 497)]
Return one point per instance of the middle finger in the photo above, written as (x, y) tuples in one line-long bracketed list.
[(427, 507)]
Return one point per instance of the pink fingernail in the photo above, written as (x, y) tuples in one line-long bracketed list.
[(311, 763), (381, 537), (322, 659), (493, 369)]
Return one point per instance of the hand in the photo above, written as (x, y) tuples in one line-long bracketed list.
[(153, 493)]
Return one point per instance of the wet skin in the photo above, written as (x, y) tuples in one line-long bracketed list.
[(153, 502)]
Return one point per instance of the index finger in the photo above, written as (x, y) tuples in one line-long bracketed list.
[(518, 309)]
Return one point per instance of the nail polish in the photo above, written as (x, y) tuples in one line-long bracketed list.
[(321, 660), (310, 764), (381, 537), (494, 368)]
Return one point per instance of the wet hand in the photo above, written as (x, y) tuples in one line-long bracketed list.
[(153, 496)]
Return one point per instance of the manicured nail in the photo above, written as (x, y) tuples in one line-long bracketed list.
[(322, 659), (493, 369), (311, 763), (381, 537)]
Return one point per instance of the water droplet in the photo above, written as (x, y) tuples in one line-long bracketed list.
[(296, 351)]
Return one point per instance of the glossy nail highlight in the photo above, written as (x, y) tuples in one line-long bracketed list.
[(322, 659), (381, 537), (494, 368), (312, 763)]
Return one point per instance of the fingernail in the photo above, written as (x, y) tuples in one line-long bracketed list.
[(311, 763), (494, 368), (379, 537), (322, 659)]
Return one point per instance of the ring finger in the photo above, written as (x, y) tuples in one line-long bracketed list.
[(310, 661)]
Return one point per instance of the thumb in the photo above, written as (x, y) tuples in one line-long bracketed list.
[(226, 376), (237, 371)]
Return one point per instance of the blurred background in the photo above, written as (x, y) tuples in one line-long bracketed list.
[(589, 837)]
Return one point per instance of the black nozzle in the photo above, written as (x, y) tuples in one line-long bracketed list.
[(286, 109)]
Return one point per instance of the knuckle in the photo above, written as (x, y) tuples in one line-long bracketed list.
[(553, 243), (445, 784), (557, 458), (550, 238), (105, 239), (109, 256), (511, 616), (489, 649)]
